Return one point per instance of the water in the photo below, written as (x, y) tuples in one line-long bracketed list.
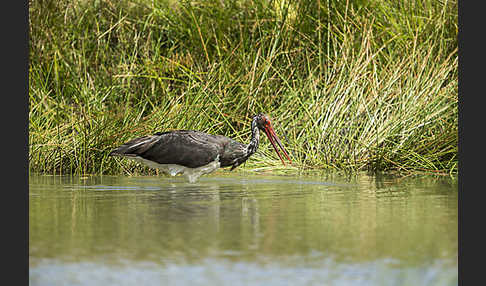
[(243, 229)]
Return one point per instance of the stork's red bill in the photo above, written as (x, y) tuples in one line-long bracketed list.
[(272, 136)]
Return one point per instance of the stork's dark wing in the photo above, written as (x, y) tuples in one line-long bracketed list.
[(234, 154), (182, 147)]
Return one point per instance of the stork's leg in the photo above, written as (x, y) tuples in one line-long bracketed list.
[(193, 174)]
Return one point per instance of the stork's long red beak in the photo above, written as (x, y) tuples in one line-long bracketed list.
[(274, 138)]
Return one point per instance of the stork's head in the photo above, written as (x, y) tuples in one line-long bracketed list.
[(263, 123)]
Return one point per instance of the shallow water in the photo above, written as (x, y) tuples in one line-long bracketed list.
[(242, 229)]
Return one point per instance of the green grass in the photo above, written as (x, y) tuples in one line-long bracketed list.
[(350, 85)]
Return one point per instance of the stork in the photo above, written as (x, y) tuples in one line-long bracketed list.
[(195, 153)]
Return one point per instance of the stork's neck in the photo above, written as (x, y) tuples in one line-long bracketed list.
[(255, 139)]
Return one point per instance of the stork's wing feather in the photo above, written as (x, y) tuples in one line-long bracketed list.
[(234, 154), (182, 147)]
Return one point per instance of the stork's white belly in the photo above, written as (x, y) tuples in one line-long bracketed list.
[(173, 169)]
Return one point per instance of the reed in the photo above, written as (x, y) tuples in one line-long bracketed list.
[(351, 85)]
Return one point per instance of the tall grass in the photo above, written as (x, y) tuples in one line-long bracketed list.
[(354, 85)]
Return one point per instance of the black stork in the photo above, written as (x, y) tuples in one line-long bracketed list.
[(195, 153)]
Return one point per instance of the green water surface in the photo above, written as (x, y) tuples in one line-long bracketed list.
[(243, 229)]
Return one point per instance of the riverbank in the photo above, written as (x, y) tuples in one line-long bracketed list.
[(350, 86)]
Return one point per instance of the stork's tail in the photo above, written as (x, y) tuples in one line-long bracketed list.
[(134, 147)]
